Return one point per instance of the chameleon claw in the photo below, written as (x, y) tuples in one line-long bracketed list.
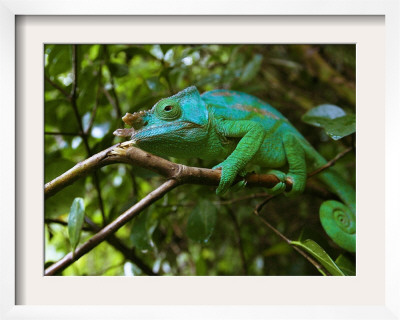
[(238, 186), (281, 185), (127, 144), (121, 149)]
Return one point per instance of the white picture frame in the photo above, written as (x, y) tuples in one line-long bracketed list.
[(8, 12)]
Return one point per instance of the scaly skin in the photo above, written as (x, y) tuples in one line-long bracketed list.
[(241, 129)]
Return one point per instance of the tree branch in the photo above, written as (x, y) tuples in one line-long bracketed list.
[(181, 173), (111, 228), (128, 253), (175, 173), (56, 86)]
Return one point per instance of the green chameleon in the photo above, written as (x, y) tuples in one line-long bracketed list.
[(241, 129)]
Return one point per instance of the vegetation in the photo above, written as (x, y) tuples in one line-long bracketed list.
[(190, 230)]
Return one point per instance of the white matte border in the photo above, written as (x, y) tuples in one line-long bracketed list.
[(388, 8), (367, 32)]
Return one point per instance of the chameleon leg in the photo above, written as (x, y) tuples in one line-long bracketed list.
[(252, 134), (297, 164)]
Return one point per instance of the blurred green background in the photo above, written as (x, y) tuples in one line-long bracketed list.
[(169, 238)]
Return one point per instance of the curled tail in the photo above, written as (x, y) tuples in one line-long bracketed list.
[(338, 219), (339, 223)]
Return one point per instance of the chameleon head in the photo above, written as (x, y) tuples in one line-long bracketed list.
[(172, 127)]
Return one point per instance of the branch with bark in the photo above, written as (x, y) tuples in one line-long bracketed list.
[(180, 173), (176, 174)]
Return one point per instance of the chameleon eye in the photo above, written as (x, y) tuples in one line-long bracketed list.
[(168, 111)]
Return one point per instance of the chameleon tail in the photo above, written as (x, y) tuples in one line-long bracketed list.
[(339, 223), (338, 219)]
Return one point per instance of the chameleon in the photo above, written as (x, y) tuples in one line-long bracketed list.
[(242, 130)]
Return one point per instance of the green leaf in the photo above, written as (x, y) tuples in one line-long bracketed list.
[(140, 237), (118, 70), (75, 221), (94, 52), (251, 69), (318, 253), (201, 221), (345, 265), (336, 122)]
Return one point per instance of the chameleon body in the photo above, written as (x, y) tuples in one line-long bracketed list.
[(241, 129)]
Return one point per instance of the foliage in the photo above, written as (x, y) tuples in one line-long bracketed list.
[(75, 222), (190, 231), (336, 122), (318, 253)]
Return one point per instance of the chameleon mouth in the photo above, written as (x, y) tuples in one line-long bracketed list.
[(154, 132)]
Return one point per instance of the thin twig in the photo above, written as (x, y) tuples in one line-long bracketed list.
[(116, 105), (112, 227), (63, 133), (59, 88), (238, 240), (96, 102), (331, 162), (315, 263), (99, 197), (74, 91), (74, 97), (262, 204), (109, 98)]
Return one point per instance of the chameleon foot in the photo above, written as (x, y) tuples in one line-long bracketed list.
[(280, 186), (228, 176)]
